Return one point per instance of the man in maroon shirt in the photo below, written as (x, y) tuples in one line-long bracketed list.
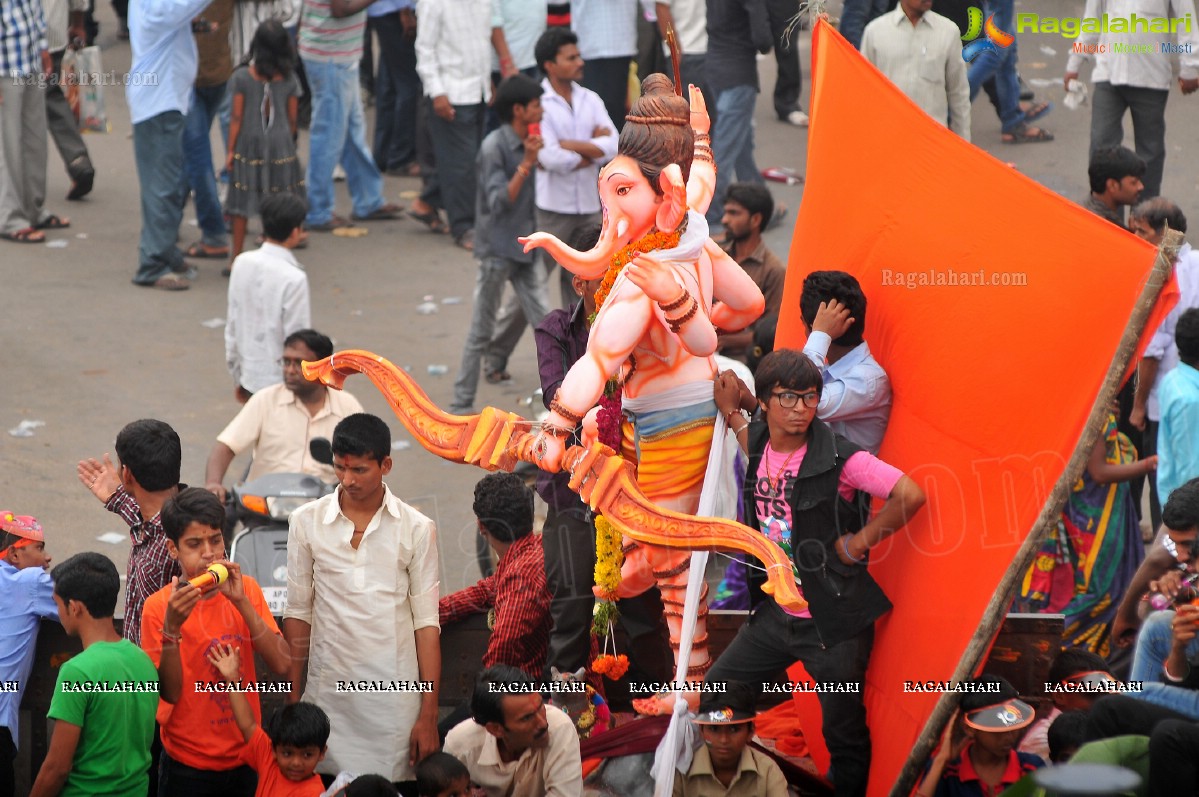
[(516, 592)]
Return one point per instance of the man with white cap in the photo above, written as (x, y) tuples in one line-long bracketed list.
[(26, 595)]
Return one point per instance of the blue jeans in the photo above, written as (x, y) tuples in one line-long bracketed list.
[(338, 134), (733, 144), (528, 283), (1000, 64), (455, 145), (158, 152), (855, 14), (397, 94), (197, 163), (1153, 647)]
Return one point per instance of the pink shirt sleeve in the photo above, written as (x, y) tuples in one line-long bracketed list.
[(866, 472)]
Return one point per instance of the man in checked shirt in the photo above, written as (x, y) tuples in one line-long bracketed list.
[(150, 453)]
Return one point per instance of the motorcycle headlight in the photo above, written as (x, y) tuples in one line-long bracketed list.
[(281, 507)]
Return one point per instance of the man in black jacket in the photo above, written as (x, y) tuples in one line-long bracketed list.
[(803, 489)]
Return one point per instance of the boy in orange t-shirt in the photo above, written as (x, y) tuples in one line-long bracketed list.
[(181, 624), (285, 758)]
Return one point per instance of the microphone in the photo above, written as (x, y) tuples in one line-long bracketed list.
[(216, 574)]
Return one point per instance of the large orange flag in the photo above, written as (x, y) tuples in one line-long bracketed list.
[(996, 306)]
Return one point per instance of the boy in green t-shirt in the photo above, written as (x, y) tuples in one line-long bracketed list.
[(105, 698)]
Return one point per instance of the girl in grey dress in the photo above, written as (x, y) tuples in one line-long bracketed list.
[(262, 128)]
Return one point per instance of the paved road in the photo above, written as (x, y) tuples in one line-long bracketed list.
[(84, 351)]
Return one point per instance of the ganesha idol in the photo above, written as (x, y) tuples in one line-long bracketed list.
[(666, 289)]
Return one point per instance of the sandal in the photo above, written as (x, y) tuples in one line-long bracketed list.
[(466, 240), (1035, 112), (199, 251), (334, 222), (432, 220), (52, 222), (496, 377), (389, 212), (171, 282), (29, 235), (1023, 134)]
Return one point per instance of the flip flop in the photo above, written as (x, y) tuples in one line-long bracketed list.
[(432, 220), (52, 222), (171, 282), (29, 235), (332, 224), (1021, 135), (389, 212), (496, 377), (1035, 112), (202, 252)]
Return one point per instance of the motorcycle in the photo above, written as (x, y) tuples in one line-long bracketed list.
[(260, 509)]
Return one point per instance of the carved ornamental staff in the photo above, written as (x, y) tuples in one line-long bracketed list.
[(496, 440)]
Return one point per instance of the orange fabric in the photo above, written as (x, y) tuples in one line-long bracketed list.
[(992, 385), (199, 730), (260, 755), (781, 725), (671, 465)]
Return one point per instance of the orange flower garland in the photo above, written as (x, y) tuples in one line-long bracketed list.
[(614, 667), (651, 241)]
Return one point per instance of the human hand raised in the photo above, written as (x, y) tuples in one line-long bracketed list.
[(833, 318), (101, 478), (227, 660)]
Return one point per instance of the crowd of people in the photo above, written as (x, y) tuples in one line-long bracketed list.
[(171, 704)]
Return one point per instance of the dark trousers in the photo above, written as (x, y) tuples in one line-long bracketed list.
[(769, 642), (180, 780), (1148, 449), (63, 127), (8, 755), (1174, 758), (455, 145), (397, 95), (855, 15), (609, 78), (1148, 109), (789, 82), (1119, 715), (1124, 425), (568, 537)]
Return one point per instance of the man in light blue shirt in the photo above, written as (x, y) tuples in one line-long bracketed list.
[(1178, 399), (26, 595), (159, 93), (856, 399)]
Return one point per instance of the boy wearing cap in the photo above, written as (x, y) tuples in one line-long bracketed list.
[(26, 595), (726, 764), (989, 763)]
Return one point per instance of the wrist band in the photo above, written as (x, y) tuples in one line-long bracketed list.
[(744, 426), (676, 324), (845, 546), (522, 170), (1172, 678), (169, 637), (560, 408), (677, 303), (556, 431)]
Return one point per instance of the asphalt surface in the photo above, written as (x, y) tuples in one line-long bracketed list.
[(83, 351)]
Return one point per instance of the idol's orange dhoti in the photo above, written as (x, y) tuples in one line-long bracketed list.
[(671, 449)]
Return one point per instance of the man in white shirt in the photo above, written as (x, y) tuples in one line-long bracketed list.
[(920, 51), (578, 138), (1148, 220), (280, 421), (362, 590), (515, 744), (268, 298), (453, 58), (607, 31), (1133, 81)]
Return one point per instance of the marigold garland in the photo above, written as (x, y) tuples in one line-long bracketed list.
[(613, 667), (651, 241), (608, 557)]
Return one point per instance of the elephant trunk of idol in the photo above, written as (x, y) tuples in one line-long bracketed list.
[(594, 262)]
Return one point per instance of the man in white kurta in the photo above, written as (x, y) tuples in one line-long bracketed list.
[(365, 606)]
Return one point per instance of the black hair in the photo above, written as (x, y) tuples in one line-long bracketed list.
[(1066, 734), (485, 705), (299, 725), (1186, 337), (437, 773), (90, 578), (192, 505), (754, 197), (1074, 661), (272, 51), (1158, 212), (1181, 512), (8, 539), (553, 40), (584, 238), (764, 330), (1113, 163), (518, 89), (504, 505), (152, 452), (786, 368), (282, 212), (973, 701), (362, 435), (824, 286), (737, 695), (371, 786), (318, 344)]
